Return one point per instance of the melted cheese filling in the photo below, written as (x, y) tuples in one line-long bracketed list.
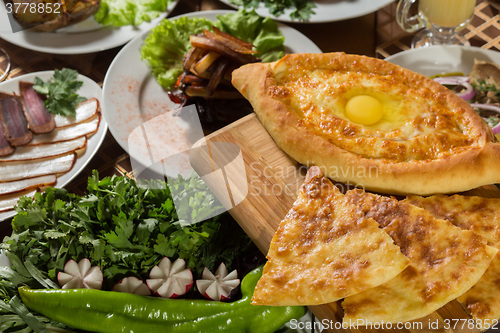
[(415, 124)]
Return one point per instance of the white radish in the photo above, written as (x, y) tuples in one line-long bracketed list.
[(169, 279), (132, 285), (217, 286), (81, 275)]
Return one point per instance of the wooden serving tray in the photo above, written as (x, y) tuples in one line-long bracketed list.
[(262, 182)]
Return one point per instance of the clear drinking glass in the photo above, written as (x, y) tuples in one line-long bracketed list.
[(4, 64), (442, 19)]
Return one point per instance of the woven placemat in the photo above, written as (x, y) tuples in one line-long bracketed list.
[(483, 30)]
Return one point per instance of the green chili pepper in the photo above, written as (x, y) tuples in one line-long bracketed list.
[(108, 311)]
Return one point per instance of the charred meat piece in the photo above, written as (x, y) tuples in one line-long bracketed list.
[(209, 64), (14, 121), (39, 119), (56, 14), (5, 147)]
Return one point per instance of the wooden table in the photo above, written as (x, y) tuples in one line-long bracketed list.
[(374, 34)]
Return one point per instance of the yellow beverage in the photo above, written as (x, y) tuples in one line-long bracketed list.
[(447, 13)]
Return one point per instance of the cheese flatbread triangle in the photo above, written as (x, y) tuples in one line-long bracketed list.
[(445, 262), (482, 216), (323, 251)]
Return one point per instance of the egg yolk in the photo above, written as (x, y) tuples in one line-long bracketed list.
[(364, 110)]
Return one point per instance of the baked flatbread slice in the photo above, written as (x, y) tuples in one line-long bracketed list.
[(445, 262), (478, 214), (324, 251), (482, 216), (368, 122)]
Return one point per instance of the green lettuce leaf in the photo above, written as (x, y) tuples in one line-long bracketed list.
[(263, 33), (129, 12), (165, 46)]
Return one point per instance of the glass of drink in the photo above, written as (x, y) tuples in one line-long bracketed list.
[(442, 19)]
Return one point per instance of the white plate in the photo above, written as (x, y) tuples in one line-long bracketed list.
[(328, 10), (89, 89), (132, 96), (84, 37), (443, 59)]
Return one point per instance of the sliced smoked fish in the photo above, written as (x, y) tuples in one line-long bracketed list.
[(40, 120), (14, 121)]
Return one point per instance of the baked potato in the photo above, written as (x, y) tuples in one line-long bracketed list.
[(50, 15)]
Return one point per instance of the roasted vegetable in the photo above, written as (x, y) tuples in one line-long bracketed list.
[(104, 311), (209, 64), (50, 15)]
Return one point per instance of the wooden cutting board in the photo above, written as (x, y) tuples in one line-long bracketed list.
[(260, 185)]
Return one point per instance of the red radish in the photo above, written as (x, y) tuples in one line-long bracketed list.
[(217, 287), (132, 285), (81, 275), (170, 280)]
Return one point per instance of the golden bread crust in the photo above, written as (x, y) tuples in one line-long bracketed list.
[(324, 251), (482, 216), (445, 262), (475, 213), (430, 142)]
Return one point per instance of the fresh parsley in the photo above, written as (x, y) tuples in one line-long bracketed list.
[(124, 227), (61, 92), (301, 9)]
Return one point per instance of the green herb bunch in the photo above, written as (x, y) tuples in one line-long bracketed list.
[(61, 92), (121, 226), (301, 9)]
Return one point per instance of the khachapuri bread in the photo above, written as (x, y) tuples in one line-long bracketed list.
[(368, 122), (324, 250), (445, 262), (482, 216)]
